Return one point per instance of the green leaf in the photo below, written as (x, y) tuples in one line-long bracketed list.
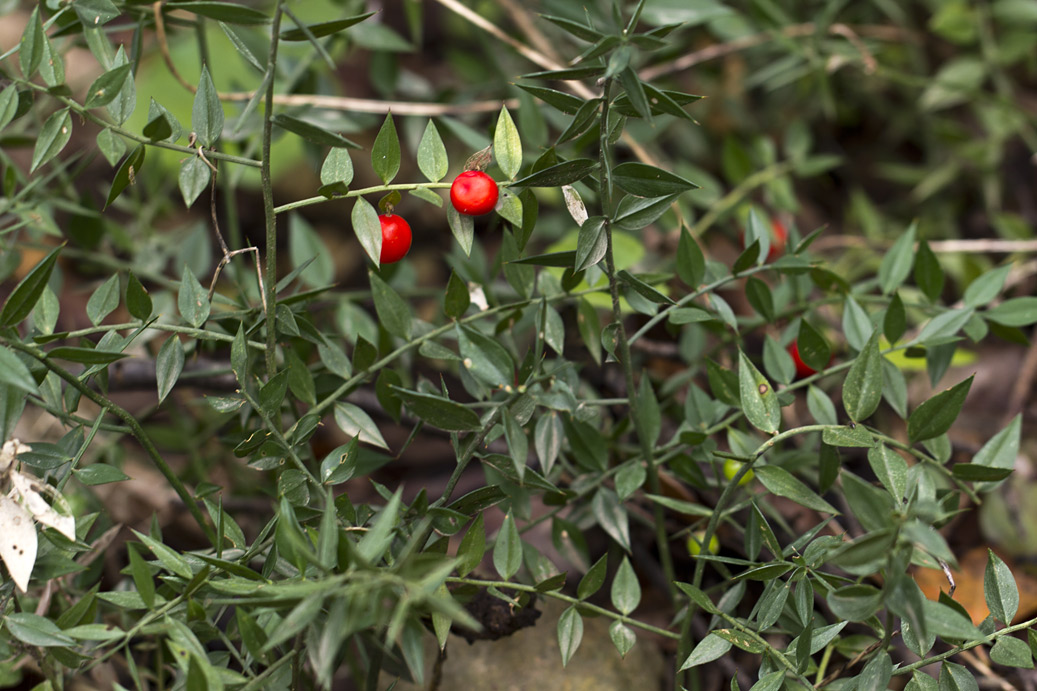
[(126, 174), (323, 28), (986, 287), (170, 560), (207, 111), (928, 274), (340, 465), (593, 579), (691, 263), (943, 326), (53, 137), (9, 105), (25, 295), (814, 350), (890, 468), (31, 45), (856, 324), (337, 168), (955, 677), (305, 245), (1000, 451), (862, 388), (37, 631), (710, 648), (570, 633), (368, 228), (970, 472), (895, 322), (565, 173), (138, 302), (192, 299), (876, 674), (1000, 590), (759, 295), (855, 602), (949, 623), (473, 547), (612, 516), (456, 299), (485, 358), (1014, 312), (99, 474), (312, 133), (377, 540), (385, 152), (626, 591), (124, 102), (86, 356), (106, 88), (758, 399), (779, 481), (14, 373), (103, 301), (896, 264), (432, 156), (643, 180), (162, 124), (95, 13), (851, 435), (507, 146), (193, 179), (566, 103), (635, 213), (439, 411), (936, 415), (168, 365), (355, 422), (644, 289), (507, 550), (463, 228), (547, 440), (591, 243), (1012, 652), (623, 637)]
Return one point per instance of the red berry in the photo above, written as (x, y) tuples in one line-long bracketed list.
[(780, 236), (802, 369), (396, 238), (474, 193)]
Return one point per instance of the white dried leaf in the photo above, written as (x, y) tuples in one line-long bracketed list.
[(9, 452), (28, 493), (478, 297), (17, 541), (574, 203)]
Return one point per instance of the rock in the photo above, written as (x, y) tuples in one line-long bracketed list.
[(530, 660)]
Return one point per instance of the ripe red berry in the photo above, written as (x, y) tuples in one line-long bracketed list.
[(802, 369), (396, 238), (474, 193), (779, 238)]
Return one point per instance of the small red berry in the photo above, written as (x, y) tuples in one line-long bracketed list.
[(474, 193), (802, 369), (780, 236), (396, 238)]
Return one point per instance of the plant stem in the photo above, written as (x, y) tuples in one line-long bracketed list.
[(606, 195), (270, 272), (507, 585), (402, 186)]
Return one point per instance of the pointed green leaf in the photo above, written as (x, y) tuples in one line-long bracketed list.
[(31, 46), (127, 173), (193, 179), (570, 633), (207, 111), (312, 133), (896, 264), (168, 365), (643, 180), (758, 399), (103, 301), (193, 299), (936, 415), (1000, 590), (507, 550), (385, 152), (368, 228), (439, 411), (14, 373), (507, 146), (862, 388), (485, 358), (53, 137), (779, 481), (355, 422), (25, 295), (626, 591)]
